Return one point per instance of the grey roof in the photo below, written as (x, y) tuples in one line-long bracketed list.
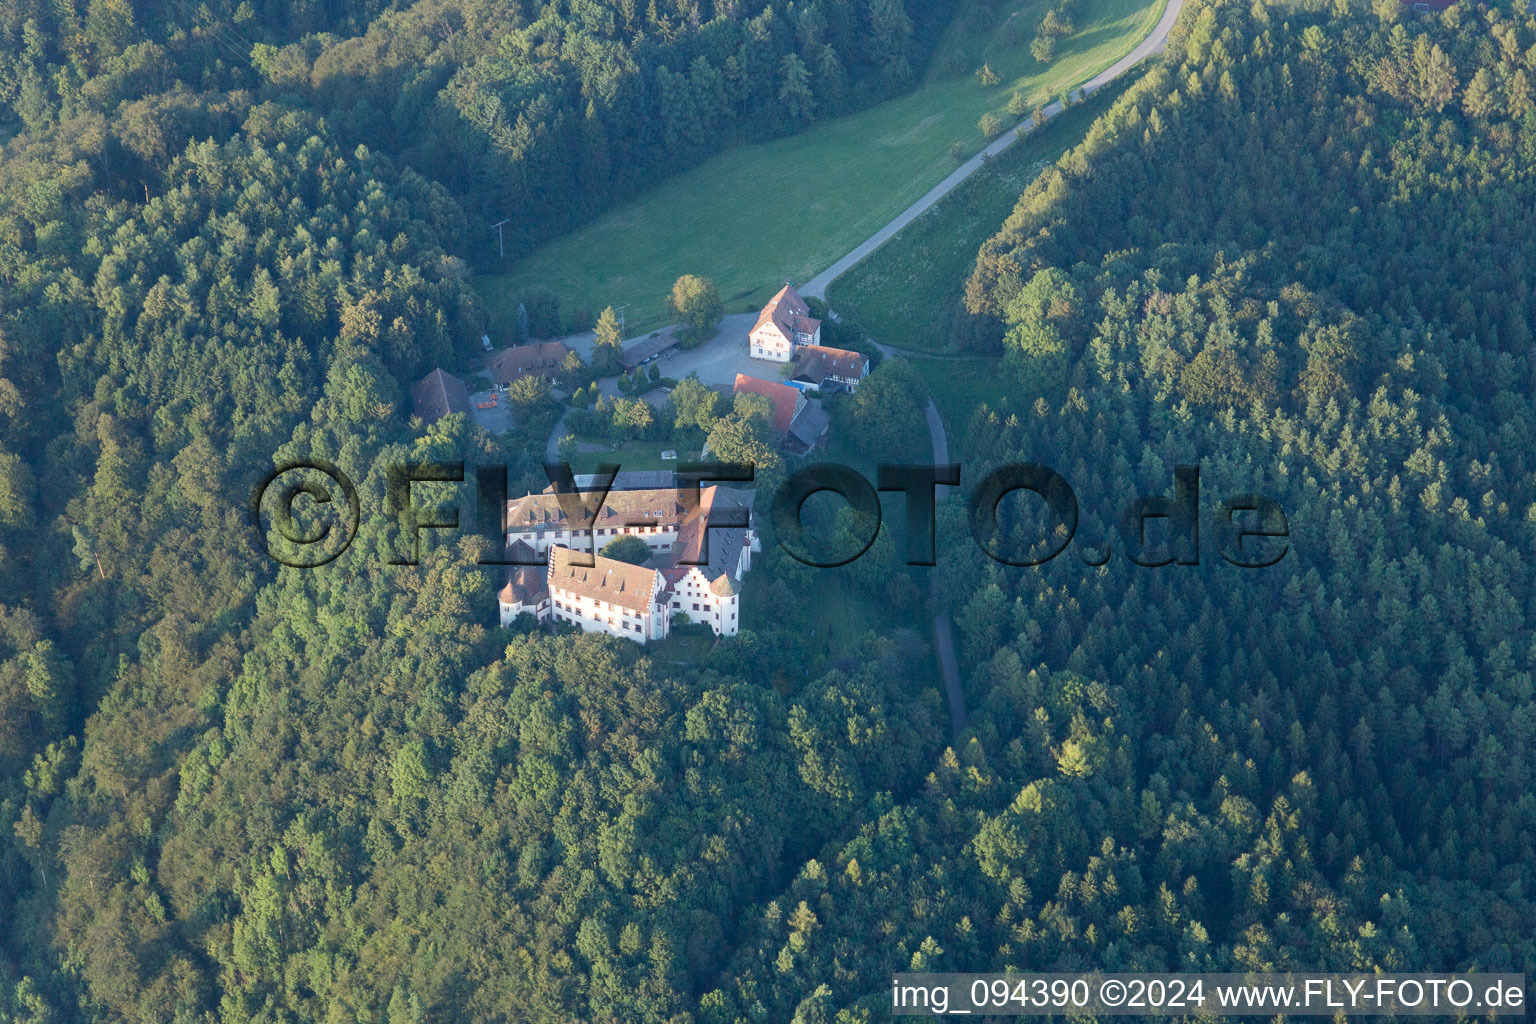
[(723, 544), (815, 363), (438, 394), (639, 352), (627, 480), (810, 426)]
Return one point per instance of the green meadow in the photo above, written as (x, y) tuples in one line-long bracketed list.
[(904, 292), (755, 216)]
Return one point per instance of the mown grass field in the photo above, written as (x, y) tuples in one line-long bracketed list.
[(903, 292), (631, 455), (755, 216), (960, 386)]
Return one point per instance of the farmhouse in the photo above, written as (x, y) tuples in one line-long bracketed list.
[(784, 323), (798, 424), (819, 368), (699, 553), (540, 358), (438, 394)]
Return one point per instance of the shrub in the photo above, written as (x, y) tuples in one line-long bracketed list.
[(627, 549)]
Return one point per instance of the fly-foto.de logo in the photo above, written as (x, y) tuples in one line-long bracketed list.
[(305, 514)]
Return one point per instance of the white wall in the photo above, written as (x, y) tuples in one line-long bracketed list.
[(583, 613), (769, 344), (589, 542), (721, 614), (510, 612)]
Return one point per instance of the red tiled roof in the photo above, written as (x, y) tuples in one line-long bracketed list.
[(534, 513), (526, 582), (541, 357), (710, 538), (789, 312), (525, 585), (784, 398), (694, 543), (628, 586)]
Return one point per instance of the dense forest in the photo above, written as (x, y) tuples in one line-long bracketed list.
[(1296, 252), (542, 114)]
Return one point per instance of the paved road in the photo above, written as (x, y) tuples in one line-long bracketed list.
[(1155, 41), (943, 630)]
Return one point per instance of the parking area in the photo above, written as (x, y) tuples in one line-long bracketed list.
[(583, 344), (491, 410), (717, 362)]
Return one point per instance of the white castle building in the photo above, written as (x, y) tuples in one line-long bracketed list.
[(695, 568)]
